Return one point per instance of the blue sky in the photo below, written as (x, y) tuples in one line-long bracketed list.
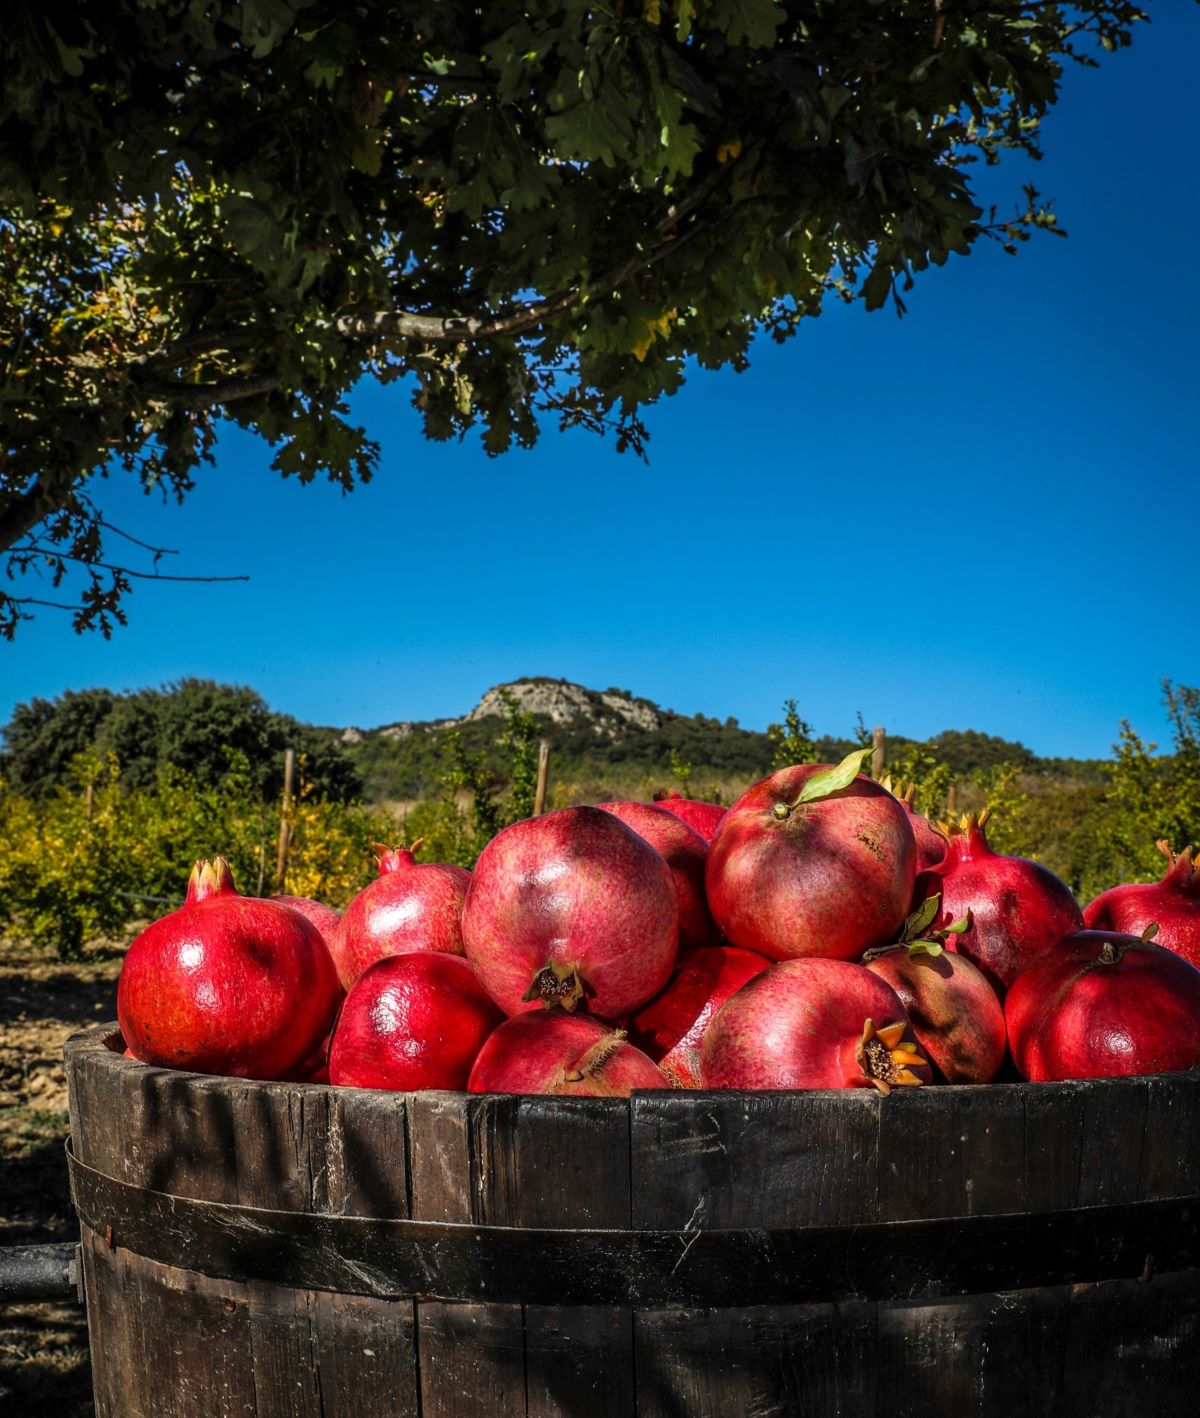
[(982, 516)]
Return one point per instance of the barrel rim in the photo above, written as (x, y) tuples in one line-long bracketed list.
[(93, 1045)]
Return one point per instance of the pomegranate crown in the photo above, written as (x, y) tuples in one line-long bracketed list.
[(210, 879), (1182, 868), (970, 825), (390, 859), (902, 788)]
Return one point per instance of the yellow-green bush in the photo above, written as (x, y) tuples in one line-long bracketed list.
[(83, 864)]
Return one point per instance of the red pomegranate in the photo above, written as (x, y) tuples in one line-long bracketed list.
[(407, 907), (325, 918), (684, 851), (412, 1021), (571, 906), (931, 845), (814, 860), (956, 1016), (812, 1024), (227, 984), (1017, 907), (1173, 904), (704, 817), (1102, 1005), (553, 1052), (670, 1027)]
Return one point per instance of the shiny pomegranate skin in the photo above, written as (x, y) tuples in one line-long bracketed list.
[(567, 1054), (670, 1027), (803, 1023), (832, 878), (704, 817), (412, 1021), (571, 908), (1104, 1005), (684, 851), (956, 1015), (227, 984), (409, 906), (1018, 908), (325, 918), (1172, 904)]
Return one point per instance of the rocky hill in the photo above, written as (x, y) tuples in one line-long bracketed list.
[(609, 740), (596, 736)]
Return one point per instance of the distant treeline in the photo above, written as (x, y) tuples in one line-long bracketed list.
[(196, 724)]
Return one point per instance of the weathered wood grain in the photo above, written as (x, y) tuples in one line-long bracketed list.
[(171, 1342)]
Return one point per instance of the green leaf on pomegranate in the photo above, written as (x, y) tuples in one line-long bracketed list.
[(925, 947), (833, 780), (957, 927), (922, 917)]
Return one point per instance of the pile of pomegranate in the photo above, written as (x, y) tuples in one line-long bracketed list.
[(820, 933)]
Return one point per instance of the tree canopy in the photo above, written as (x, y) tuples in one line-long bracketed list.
[(212, 209)]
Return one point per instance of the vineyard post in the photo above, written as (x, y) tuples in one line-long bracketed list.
[(952, 799), (878, 752), (89, 801), (539, 797), (285, 825)]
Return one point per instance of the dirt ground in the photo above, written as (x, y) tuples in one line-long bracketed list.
[(43, 1348)]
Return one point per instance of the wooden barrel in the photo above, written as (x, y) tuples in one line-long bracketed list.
[(290, 1249)]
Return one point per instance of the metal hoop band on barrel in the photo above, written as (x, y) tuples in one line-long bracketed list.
[(702, 1268)]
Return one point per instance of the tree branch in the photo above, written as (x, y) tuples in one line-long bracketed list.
[(37, 549), (21, 512), (200, 396)]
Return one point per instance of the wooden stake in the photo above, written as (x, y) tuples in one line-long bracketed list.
[(878, 752), (539, 798), (89, 801), (285, 825), (952, 799)]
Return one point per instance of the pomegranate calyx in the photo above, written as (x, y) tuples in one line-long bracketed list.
[(210, 879), (556, 984), (1183, 871), (665, 793), (903, 789), (390, 859), (887, 1058), (825, 783)]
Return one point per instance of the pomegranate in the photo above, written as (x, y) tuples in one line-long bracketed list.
[(956, 1016), (671, 1026), (571, 906), (227, 984), (412, 1021), (562, 1053), (1017, 907), (812, 1024), (704, 817), (684, 851), (931, 845), (1102, 1005), (407, 907), (325, 918), (1173, 904), (814, 860)]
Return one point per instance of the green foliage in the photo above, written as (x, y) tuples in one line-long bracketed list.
[(792, 739), (193, 725), (681, 771), (522, 212), (520, 742), (75, 867)]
